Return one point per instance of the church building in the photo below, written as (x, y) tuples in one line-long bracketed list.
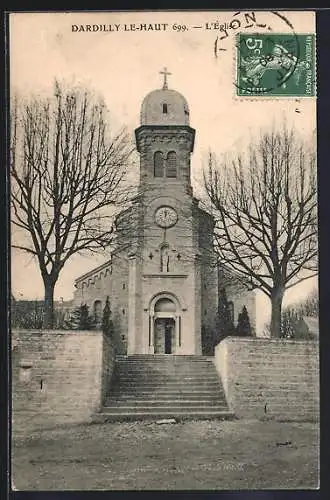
[(163, 279)]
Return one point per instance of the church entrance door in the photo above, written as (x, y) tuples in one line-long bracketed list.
[(169, 335), (164, 336)]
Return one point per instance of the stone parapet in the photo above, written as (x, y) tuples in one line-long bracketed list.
[(270, 377)]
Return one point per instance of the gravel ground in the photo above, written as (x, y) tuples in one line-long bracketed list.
[(213, 455)]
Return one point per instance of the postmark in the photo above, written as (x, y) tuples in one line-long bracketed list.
[(275, 64)]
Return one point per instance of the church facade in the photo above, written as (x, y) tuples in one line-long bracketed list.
[(162, 279)]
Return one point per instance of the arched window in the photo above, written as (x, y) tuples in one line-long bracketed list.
[(231, 310), (171, 164), (158, 164), (98, 311)]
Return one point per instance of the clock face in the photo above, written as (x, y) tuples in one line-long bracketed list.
[(166, 217)]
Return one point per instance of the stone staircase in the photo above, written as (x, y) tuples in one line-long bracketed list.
[(165, 386)]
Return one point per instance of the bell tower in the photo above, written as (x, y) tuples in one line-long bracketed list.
[(165, 270), (165, 140)]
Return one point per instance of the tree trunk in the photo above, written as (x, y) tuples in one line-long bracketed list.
[(48, 317), (276, 315)]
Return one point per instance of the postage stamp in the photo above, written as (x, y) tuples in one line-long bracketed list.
[(272, 64)]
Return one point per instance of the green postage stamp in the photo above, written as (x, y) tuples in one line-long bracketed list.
[(275, 65)]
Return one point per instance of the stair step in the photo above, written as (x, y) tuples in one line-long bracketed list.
[(162, 409), (169, 386), (168, 403), (153, 409), (162, 365), (207, 372), (165, 376), (162, 377), (177, 364), (186, 363), (183, 388), (159, 369), (179, 415), (162, 374), (166, 380), (165, 397), (165, 367), (154, 358)]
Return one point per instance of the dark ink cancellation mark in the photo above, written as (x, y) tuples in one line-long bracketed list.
[(270, 63), (241, 20)]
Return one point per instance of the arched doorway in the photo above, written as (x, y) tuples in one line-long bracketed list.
[(164, 326)]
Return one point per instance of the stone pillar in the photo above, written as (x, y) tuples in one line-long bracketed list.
[(152, 334), (177, 334), (198, 309), (132, 284)]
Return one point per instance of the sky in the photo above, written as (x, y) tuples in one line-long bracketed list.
[(123, 65)]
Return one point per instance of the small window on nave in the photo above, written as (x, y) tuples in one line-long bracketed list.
[(231, 310), (158, 164), (171, 165), (98, 311), (165, 108)]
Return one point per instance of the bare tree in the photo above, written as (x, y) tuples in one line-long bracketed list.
[(68, 176), (265, 207), (308, 306)]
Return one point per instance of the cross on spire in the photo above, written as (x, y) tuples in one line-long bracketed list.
[(165, 73)]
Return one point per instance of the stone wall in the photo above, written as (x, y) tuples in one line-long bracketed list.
[(58, 376), (118, 293), (270, 378), (108, 364)]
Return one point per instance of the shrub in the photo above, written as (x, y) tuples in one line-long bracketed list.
[(289, 322), (224, 323), (107, 324), (27, 314), (243, 328), (80, 319)]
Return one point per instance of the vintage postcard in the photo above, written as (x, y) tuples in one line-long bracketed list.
[(164, 262)]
